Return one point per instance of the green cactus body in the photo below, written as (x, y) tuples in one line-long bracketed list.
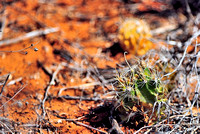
[(139, 84)]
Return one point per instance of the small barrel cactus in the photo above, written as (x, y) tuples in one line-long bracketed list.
[(134, 35), (139, 83)]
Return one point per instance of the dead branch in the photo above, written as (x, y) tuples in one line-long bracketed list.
[(90, 127), (47, 70), (79, 123), (84, 98), (4, 84), (13, 96), (6, 126), (104, 72), (163, 29), (189, 42), (3, 21), (83, 86), (115, 126), (48, 87), (14, 81), (44, 68), (28, 35)]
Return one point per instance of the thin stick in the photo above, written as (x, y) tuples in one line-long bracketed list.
[(115, 126), (90, 127), (153, 126), (13, 96), (188, 9), (6, 127), (189, 42), (4, 84), (83, 86), (2, 27), (163, 29), (84, 98), (14, 81), (81, 124), (28, 35), (46, 70), (48, 87)]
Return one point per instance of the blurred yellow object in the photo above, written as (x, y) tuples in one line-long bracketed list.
[(134, 35)]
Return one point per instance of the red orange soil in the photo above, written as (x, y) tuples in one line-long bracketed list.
[(83, 26)]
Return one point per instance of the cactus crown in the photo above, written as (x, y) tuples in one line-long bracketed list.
[(134, 36)]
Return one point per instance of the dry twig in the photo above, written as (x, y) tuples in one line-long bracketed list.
[(115, 126), (6, 126), (83, 86), (4, 84), (189, 42), (28, 35), (79, 123), (2, 26), (13, 96), (14, 81), (163, 29), (46, 70), (48, 87), (90, 127), (84, 98)]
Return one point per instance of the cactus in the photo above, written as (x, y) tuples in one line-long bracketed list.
[(139, 83), (134, 36)]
